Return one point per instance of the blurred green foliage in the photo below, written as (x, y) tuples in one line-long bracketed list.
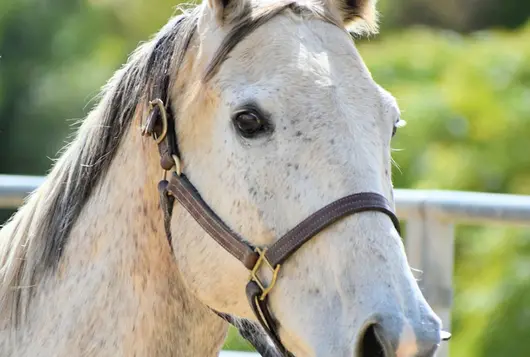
[(54, 57), (460, 15), (466, 100), (467, 103)]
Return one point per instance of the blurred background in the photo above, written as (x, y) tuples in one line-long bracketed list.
[(460, 70)]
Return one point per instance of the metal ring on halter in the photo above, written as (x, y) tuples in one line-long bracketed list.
[(178, 164), (163, 115), (265, 290), (178, 168)]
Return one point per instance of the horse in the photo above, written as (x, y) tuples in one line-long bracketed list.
[(276, 116)]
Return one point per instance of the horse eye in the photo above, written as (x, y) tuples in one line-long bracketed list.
[(249, 123)]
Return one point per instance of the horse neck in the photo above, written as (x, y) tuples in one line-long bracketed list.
[(117, 290)]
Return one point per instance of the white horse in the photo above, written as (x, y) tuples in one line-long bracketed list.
[(276, 116)]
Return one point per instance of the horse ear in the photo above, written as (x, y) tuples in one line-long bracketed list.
[(357, 15), (227, 10)]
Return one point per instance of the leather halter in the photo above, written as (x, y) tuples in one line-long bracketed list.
[(160, 125)]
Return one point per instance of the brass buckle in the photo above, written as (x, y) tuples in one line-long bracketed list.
[(254, 273), (163, 115), (146, 130)]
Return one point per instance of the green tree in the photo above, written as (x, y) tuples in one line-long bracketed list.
[(459, 15), (55, 55)]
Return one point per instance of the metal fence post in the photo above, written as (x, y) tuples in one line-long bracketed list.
[(430, 249)]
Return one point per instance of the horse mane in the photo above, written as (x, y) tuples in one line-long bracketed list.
[(32, 241)]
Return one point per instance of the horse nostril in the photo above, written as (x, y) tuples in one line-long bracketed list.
[(371, 344), (377, 342)]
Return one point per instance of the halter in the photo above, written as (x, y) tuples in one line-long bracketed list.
[(160, 126)]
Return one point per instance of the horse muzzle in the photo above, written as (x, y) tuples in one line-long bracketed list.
[(395, 336)]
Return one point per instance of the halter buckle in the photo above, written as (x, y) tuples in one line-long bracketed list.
[(254, 273), (151, 120)]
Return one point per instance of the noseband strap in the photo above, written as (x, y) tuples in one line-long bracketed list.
[(188, 196), (273, 256), (253, 258)]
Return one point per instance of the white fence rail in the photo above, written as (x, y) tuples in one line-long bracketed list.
[(430, 216)]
